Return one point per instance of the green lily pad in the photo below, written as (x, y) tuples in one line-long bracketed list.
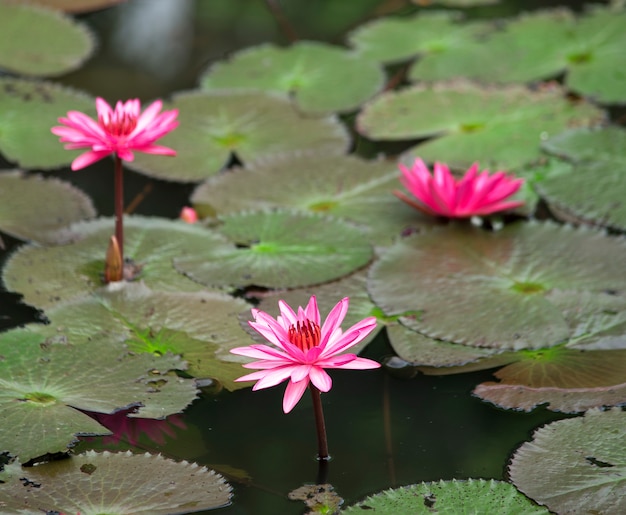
[(340, 186), (448, 497), (492, 289), (456, 3), (591, 187), (47, 276), (279, 249), (200, 326), (327, 296), (34, 208), (29, 110), (113, 483), (576, 465), (41, 42), (41, 384), (321, 78), (395, 39), (77, 6), (252, 126), (498, 127)]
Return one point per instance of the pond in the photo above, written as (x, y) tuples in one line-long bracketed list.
[(494, 318)]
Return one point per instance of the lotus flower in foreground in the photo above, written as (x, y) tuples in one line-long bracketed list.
[(119, 131), (302, 349), (441, 194)]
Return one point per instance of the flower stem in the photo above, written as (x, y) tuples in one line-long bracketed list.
[(119, 205), (320, 425)]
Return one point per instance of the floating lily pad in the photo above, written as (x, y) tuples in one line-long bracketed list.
[(77, 6), (499, 127), (341, 186), (591, 188), (576, 465), (321, 78), (279, 249), (395, 39), (49, 275), (29, 110), (455, 3), (201, 326), (327, 296), (114, 483), (33, 208), (41, 42), (492, 289), (252, 126), (448, 497), (41, 383)]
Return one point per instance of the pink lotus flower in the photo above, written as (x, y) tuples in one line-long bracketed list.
[(189, 215), (441, 194), (121, 131), (304, 349)]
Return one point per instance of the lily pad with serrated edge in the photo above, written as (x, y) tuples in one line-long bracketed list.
[(340, 186), (321, 78), (576, 465), (252, 126), (395, 39), (498, 127), (200, 326), (34, 208), (492, 289), (327, 296), (50, 275), (41, 383), (593, 187), (41, 42), (29, 110), (449, 498), (279, 249), (115, 483)]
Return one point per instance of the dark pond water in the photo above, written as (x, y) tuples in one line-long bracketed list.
[(383, 430)]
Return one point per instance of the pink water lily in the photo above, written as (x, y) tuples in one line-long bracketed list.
[(441, 194), (302, 349), (119, 131)]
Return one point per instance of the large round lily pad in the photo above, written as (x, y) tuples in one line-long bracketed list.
[(113, 483), (50, 275), (279, 249), (252, 126), (29, 110), (498, 127), (41, 42), (592, 188), (492, 289), (200, 326), (449, 498), (320, 77), (42, 382), (341, 186), (576, 465), (33, 208)]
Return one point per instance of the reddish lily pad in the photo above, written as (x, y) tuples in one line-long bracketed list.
[(576, 465), (33, 208), (474, 123), (77, 6), (252, 126), (320, 78), (42, 383), (91, 483), (493, 289)]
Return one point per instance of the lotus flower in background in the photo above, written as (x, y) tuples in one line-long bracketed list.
[(119, 131), (189, 215), (302, 349), (440, 194)]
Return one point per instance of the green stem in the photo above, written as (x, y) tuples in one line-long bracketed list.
[(119, 205), (320, 425)]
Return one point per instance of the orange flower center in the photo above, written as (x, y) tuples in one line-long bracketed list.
[(305, 335), (120, 124)]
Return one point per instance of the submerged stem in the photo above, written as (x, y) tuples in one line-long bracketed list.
[(119, 205), (320, 425)]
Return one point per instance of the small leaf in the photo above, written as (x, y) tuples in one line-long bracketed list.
[(576, 465)]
